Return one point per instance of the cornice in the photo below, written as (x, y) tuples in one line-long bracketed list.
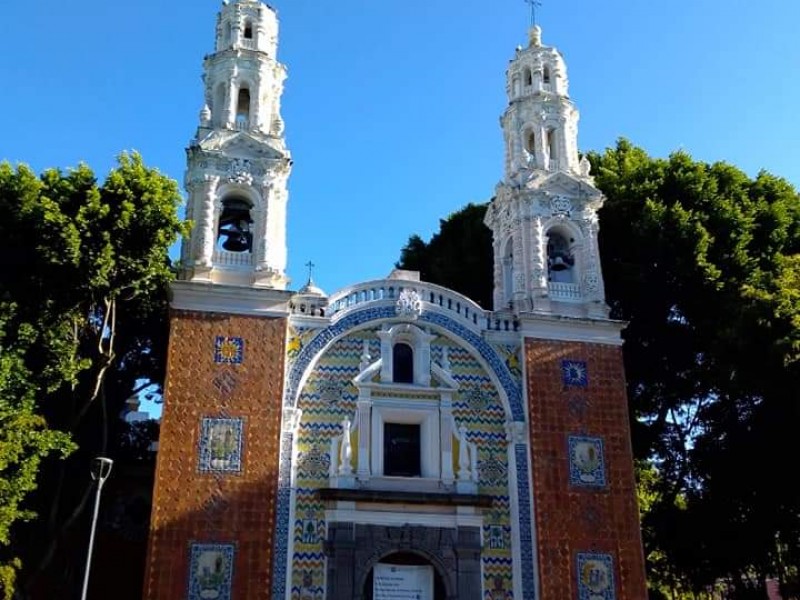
[(213, 297), (571, 329)]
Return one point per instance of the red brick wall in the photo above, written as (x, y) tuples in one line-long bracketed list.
[(572, 519), (190, 506)]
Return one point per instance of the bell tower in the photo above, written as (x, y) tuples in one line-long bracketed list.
[(544, 214), (237, 163)]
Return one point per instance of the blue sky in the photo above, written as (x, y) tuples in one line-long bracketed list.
[(392, 107)]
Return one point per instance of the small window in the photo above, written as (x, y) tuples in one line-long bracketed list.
[(528, 77), (530, 142), (248, 30), (546, 75), (401, 450), (552, 148), (234, 233), (402, 363), (243, 108)]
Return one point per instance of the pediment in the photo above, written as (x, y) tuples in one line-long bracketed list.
[(440, 380), (242, 144), (563, 183)]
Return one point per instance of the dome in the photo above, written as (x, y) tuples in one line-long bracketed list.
[(311, 289)]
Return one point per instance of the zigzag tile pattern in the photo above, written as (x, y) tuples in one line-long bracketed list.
[(321, 421), (327, 396)]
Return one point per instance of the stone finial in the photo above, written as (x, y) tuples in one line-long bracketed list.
[(205, 116), (535, 36)]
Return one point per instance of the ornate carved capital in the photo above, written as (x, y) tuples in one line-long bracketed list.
[(516, 432)]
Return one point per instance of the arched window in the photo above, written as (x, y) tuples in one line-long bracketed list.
[(248, 30), (560, 261), (243, 108), (530, 141), (234, 232), (546, 75), (528, 77), (402, 363), (552, 148)]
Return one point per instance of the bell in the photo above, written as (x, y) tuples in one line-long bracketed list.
[(237, 241), (559, 264)]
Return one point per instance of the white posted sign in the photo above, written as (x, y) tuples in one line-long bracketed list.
[(402, 582)]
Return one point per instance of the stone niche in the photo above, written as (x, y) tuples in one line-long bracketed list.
[(353, 550)]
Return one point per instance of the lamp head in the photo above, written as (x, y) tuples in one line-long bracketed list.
[(101, 468)]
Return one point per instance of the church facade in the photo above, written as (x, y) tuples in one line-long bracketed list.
[(393, 439)]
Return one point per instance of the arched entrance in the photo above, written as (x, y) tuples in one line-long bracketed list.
[(353, 550), (439, 592)]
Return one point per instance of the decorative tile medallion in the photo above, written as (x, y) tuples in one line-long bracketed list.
[(330, 389), (225, 383), (591, 516), (474, 398), (228, 350), (313, 463), (586, 463), (574, 373), (493, 472), (211, 571), (309, 531), (595, 576), (499, 590), (220, 445), (578, 406), (497, 537)]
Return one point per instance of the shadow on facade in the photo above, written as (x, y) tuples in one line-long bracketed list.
[(120, 544), (238, 514)]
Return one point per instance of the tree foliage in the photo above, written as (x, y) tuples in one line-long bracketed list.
[(459, 254), (84, 273), (704, 264)]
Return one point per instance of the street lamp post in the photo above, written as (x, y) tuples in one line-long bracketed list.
[(101, 469)]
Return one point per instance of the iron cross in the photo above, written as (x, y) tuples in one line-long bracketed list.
[(310, 266), (534, 4)]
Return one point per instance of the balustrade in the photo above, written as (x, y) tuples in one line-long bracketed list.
[(569, 292), (223, 258), (463, 309)]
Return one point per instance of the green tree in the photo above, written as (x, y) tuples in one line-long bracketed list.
[(85, 268), (25, 440), (460, 254), (704, 264)]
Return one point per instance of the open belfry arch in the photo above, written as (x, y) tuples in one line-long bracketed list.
[(311, 444)]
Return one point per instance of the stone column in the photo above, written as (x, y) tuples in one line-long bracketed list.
[(446, 435), (229, 115), (205, 236), (538, 258), (364, 408)]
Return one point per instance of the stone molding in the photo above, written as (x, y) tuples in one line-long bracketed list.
[(216, 298), (354, 549)]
